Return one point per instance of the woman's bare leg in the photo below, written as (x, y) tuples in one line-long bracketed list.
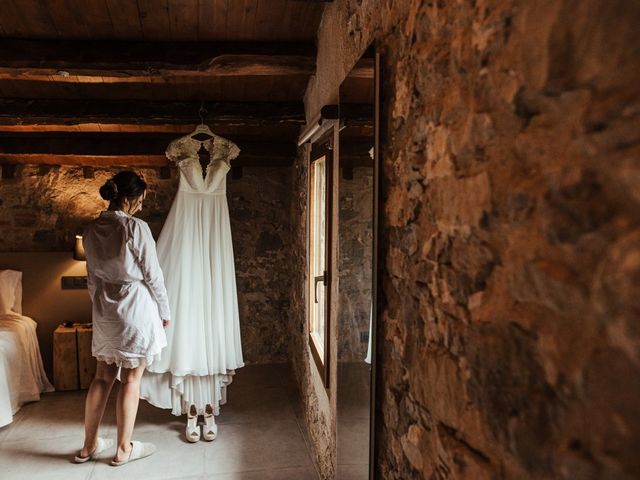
[(127, 408), (96, 401)]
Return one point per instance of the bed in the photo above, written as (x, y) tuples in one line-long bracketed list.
[(22, 376)]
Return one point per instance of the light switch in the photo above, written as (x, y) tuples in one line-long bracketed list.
[(74, 283)]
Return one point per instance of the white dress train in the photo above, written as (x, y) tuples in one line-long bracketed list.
[(196, 256)]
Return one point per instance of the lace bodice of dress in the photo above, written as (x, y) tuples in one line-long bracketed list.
[(184, 152)]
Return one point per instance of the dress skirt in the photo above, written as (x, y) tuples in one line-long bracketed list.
[(203, 350)]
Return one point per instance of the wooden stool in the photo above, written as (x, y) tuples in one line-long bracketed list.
[(73, 365), (86, 362)]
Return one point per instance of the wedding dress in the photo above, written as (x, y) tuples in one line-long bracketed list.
[(196, 256)]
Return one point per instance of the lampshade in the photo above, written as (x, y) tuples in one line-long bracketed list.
[(78, 249)]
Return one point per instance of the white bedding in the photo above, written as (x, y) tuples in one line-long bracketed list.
[(22, 376)]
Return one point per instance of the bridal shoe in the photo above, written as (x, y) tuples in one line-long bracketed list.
[(192, 431), (209, 429)]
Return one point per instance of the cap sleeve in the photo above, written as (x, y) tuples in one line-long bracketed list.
[(225, 150), (233, 150), (177, 151)]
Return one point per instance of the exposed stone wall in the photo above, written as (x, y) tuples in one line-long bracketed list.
[(319, 405), (508, 341), (356, 236), (318, 410), (43, 208), (259, 207)]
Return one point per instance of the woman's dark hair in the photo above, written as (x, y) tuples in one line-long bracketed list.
[(125, 184)]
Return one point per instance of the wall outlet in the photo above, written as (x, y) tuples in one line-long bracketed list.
[(74, 283)]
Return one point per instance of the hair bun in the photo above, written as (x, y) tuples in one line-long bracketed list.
[(109, 191)]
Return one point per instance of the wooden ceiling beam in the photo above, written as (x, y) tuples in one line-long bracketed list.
[(117, 143), (144, 62), (52, 113), (257, 130), (139, 161), (124, 150)]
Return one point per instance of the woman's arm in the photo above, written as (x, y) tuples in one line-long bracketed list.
[(145, 251)]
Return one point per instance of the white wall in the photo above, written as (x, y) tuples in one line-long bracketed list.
[(43, 298)]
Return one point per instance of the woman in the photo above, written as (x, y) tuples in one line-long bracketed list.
[(130, 309)]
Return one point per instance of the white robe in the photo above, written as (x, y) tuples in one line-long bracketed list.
[(127, 289)]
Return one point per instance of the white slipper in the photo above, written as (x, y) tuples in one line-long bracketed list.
[(102, 445), (138, 450)]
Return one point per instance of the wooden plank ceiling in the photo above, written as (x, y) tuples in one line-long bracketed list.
[(110, 82)]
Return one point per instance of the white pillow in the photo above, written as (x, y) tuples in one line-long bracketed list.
[(10, 291), (17, 305)]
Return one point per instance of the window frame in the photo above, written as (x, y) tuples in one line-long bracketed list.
[(319, 149)]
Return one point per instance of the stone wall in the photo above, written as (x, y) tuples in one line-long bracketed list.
[(355, 237), (259, 206), (43, 208), (508, 341)]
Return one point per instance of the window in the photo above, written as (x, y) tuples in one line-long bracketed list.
[(317, 233), (319, 259)]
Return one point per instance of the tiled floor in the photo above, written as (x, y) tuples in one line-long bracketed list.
[(259, 437)]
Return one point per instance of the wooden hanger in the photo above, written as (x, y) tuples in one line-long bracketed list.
[(202, 132)]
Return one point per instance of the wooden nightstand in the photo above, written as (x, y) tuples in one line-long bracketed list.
[(73, 365)]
